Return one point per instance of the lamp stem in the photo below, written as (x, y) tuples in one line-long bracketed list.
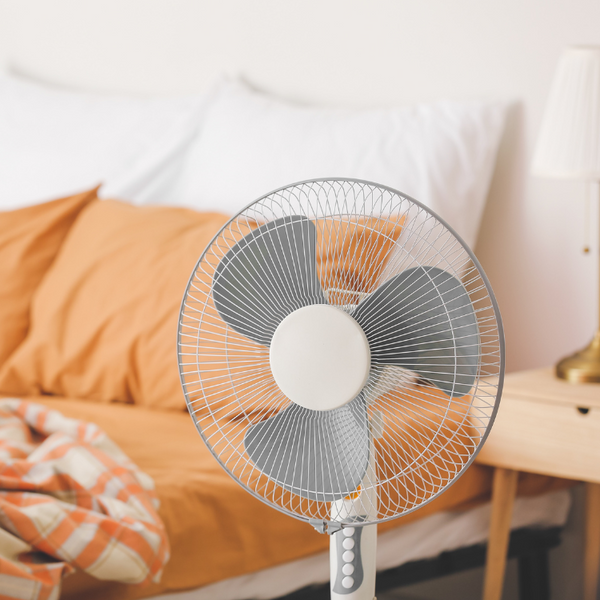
[(584, 366)]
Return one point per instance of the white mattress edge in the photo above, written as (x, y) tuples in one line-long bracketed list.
[(425, 538)]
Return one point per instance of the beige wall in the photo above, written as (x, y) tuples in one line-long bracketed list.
[(366, 52)]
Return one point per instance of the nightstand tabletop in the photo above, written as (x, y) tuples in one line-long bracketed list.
[(541, 385)]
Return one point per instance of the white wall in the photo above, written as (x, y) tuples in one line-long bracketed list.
[(364, 52), (354, 52)]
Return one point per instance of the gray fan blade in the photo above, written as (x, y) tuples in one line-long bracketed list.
[(423, 320), (267, 275), (319, 455)]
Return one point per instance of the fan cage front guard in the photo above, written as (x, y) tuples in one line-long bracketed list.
[(367, 233)]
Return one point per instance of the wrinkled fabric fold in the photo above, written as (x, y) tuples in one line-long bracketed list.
[(70, 499)]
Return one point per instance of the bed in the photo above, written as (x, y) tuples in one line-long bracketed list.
[(178, 167), (232, 547)]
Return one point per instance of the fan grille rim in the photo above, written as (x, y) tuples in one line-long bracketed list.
[(494, 306)]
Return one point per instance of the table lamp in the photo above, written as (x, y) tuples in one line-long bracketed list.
[(569, 147)]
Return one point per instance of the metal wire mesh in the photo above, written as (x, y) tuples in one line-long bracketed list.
[(420, 438)]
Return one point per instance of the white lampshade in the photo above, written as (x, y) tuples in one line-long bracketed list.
[(569, 141)]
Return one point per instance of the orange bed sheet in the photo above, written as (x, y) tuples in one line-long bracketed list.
[(216, 529)]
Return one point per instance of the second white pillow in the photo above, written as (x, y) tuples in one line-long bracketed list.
[(441, 154)]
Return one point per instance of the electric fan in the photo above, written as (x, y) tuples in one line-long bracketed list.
[(342, 356)]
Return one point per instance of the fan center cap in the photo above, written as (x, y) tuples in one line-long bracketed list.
[(320, 357)]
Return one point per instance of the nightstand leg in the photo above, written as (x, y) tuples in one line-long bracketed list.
[(592, 541), (503, 497)]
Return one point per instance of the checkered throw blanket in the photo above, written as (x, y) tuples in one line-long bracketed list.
[(69, 498)]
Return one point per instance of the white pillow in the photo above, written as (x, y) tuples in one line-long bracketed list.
[(55, 142), (441, 154)]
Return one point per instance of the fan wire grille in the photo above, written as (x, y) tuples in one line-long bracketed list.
[(421, 439)]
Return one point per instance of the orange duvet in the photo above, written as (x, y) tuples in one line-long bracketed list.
[(216, 529)]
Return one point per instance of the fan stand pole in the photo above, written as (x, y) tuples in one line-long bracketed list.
[(353, 550), (362, 586)]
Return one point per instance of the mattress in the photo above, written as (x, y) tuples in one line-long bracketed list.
[(421, 539), (218, 531)]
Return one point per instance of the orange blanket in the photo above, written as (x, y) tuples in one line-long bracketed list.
[(70, 498)]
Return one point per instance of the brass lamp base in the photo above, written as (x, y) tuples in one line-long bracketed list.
[(583, 366)]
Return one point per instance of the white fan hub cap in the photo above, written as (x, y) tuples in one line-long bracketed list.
[(320, 357)]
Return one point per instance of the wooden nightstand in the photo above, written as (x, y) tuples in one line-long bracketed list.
[(548, 426)]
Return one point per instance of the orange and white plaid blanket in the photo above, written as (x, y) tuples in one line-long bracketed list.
[(69, 498)]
